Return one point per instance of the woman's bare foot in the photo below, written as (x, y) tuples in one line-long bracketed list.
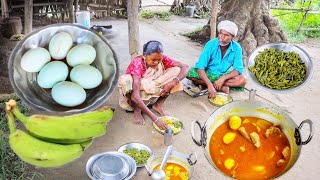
[(138, 118), (158, 107), (225, 89)]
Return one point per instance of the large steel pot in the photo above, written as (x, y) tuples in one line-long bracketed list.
[(257, 109)]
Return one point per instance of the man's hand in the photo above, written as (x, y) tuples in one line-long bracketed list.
[(161, 124), (167, 88), (218, 83), (212, 91)]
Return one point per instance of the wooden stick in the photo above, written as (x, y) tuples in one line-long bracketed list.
[(133, 26), (28, 10)]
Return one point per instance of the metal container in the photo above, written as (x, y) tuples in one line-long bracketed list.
[(138, 146), (258, 109), (186, 161), (286, 48), (227, 96), (25, 84), (111, 166), (168, 137)]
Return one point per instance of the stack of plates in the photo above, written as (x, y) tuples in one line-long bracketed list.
[(111, 166)]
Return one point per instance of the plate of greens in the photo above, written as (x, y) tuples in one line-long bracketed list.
[(139, 152)]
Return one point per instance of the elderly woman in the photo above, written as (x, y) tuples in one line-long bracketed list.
[(220, 54), (149, 77)]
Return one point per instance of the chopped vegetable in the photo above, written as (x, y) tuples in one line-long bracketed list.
[(140, 156), (277, 69)]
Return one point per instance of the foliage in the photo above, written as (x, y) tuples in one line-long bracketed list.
[(193, 33), (163, 15), (11, 166), (291, 21)]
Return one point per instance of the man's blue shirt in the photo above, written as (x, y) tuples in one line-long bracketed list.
[(210, 58)]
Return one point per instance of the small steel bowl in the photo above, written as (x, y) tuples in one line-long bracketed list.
[(39, 99), (138, 146), (286, 48), (229, 99), (111, 166), (173, 119)]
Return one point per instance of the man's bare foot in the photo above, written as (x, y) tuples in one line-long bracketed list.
[(157, 107), (225, 89), (138, 118)]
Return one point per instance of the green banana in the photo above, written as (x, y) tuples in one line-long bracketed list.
[(65, 129), (40, 153)]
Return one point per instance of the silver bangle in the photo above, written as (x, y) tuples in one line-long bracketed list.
[(177, 79)]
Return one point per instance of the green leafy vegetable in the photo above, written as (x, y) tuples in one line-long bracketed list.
[(277, 69), (140, 156)]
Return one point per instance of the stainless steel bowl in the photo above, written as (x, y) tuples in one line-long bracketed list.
[(228, 97), (286, 48), (111, 166), (25, 84), (138, 146)]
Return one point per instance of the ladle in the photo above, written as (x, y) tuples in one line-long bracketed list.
[(160, 174)]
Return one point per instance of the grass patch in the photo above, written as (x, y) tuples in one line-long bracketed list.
[(193, 33), (163, 15), (11, 166), (290, 22)]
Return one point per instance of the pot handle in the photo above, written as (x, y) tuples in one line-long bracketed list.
[(191, 157), (297, 133), (199, 143)]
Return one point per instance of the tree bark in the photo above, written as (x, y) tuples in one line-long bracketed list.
[(256, 26), (133, 27), (213, 19), (28, 11), (71, 12)]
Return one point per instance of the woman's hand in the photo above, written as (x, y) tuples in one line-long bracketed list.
[(212, 91), (167, 88), (160, 123)]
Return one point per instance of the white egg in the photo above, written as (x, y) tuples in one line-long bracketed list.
[(68, 94), (59, 45), (52, 73), (81, 54), (86, 76), (34, 59)]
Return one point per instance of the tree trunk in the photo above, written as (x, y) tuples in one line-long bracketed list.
[(71, 12), (213, 19), (133, 27), (28, 11), (256, 26)]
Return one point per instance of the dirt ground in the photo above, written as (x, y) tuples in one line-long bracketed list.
[(300, 105)]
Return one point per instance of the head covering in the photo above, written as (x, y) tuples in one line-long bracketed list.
[(152, 47), (229, 26)]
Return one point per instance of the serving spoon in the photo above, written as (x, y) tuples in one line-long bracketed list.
[(160, 174)]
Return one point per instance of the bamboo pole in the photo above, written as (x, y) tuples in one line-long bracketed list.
[(4, 9), (71, 12), (28, 10), (133, 27), (213, 19)]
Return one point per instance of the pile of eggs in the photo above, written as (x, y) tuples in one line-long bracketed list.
[(52, 66)]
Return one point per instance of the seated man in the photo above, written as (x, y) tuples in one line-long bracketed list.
[(218, 55)]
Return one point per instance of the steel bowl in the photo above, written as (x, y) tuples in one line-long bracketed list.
[(111, 166), (25, 83), (138, 146), (286, 48)]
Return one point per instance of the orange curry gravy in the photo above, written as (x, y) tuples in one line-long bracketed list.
[(174, 171), (250, 162)]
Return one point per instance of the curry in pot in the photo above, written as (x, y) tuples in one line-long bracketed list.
[(174, 171), (249, 148)]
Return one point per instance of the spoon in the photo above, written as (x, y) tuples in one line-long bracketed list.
[(160, 174)]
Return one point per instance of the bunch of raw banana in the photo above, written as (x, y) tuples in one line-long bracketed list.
[(53, 141)]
